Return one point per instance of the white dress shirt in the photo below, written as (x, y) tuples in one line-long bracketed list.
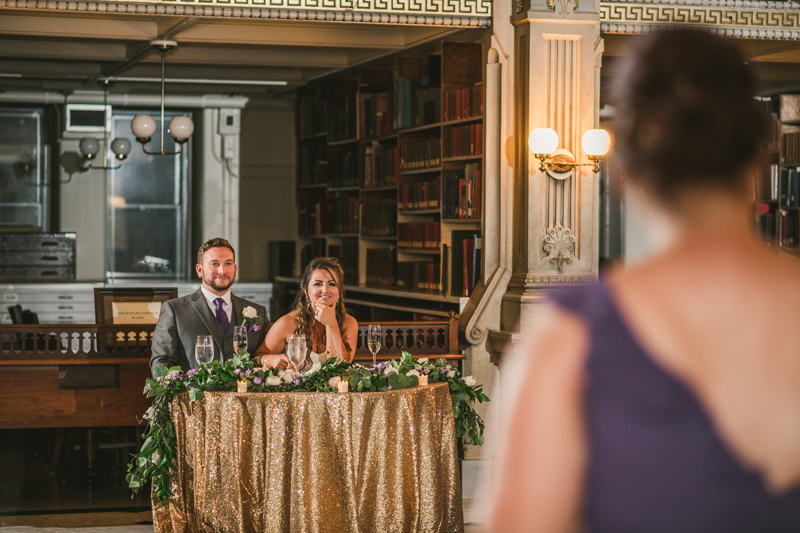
[(226, 305)]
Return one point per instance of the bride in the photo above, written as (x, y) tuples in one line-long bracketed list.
[(319, 315)]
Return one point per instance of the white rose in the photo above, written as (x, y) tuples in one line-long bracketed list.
[(451, 374), (288, 377), (335, 380), (412, 373), (390, 370), (422, 360), (282, 373), (314, 368), (249, 312), (273, 381), (470, 381), (148, 415)]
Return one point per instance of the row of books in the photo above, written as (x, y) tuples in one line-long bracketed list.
[(766, 182), (418, 276), (343, 168), (777, 226), (380, 267), (311, 170), (423, 195), (462, 192), (421, 154), (463, 140), (790, 187), (310, 113), (342, 124), (790, 152), (347, 254), (376, 114), (418, 235), (379, 218), (381, 166), (463, 103), (344, 214)]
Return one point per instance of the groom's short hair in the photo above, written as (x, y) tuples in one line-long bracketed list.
[(216, 242)]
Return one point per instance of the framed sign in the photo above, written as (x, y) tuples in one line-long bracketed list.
[(130, 306)]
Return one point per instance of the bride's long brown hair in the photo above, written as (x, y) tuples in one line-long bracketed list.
[(304, 317)]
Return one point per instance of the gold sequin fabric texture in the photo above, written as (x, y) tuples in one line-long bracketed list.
[(314, 462)]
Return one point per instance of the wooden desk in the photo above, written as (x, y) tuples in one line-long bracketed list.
[(73, 376)]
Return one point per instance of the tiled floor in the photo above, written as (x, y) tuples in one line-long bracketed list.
[(37, 497)]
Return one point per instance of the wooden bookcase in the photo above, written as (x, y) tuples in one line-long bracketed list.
[(390, 172), (776, 189)]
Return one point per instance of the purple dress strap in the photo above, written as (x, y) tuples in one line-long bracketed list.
[(656, 461)]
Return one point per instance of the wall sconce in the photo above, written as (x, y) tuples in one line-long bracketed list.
[(543, 142), (143, 126), (89, 147)]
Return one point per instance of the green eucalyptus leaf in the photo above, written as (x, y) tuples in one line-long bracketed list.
[(160, 371)]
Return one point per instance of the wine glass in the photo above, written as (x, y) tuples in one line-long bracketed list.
[(239, 340), (204, 349), (374, 340), (296, 350)]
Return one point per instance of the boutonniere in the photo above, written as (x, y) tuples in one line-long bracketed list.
[(249, 317)]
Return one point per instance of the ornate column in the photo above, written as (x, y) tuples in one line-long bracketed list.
[(557, 53)]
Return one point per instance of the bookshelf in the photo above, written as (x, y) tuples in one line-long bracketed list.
[(390, 172), (776, 183)]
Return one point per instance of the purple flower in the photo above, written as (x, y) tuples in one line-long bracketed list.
[(442, 371), (418, 368), (191, 373), (390, 387), (236, 371), (253, 327), (247, 374), (257, 380)]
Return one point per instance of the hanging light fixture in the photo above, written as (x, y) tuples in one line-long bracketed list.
[(144, 126), (89, 147)]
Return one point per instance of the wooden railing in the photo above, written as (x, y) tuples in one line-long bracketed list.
[(67, 344), (420, 339)]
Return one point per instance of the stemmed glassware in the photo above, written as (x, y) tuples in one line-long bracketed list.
[(296, 350), (204, 349), (239, 340), (374, 340)]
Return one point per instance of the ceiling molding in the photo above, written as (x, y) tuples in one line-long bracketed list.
[(459, 13), (730, 18)]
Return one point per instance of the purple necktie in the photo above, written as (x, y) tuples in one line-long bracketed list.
[(222, 316)]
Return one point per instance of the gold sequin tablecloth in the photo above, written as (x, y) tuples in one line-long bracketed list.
[(314, 462)]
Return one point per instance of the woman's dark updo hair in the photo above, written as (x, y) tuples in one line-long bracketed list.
[(686, 115)]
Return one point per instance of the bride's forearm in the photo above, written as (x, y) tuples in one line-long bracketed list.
[(334, 343)]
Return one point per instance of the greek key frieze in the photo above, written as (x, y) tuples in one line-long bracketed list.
[(630, 14)]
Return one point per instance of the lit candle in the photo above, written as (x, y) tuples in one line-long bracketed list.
[(423, 380), (344, 386), (241, 386)]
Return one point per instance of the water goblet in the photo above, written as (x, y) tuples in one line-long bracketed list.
[(296, 350), (204, 349), (374, 339), (239, 340)]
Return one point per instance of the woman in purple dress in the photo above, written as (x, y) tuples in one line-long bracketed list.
[(667, 398)]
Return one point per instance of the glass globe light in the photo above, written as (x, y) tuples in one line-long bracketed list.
[(543, 141), (143, 127), (121, 147), (181, 128), (89, 147), (596, 143)]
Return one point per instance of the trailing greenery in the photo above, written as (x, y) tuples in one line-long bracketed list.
[(154, 460)]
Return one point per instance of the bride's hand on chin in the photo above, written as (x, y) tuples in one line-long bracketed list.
[(325, 314)]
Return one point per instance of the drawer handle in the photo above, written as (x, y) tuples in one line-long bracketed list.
[(66, 297), (49, 243), (65, 318), (10, 297), (49, 258), (65, 307), (49, 273)]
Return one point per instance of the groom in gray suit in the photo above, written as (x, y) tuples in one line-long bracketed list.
[(212, 310)]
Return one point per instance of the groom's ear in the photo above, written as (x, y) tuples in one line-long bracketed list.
[(199, 269)]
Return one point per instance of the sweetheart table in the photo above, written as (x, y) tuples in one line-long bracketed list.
[(314, 462)]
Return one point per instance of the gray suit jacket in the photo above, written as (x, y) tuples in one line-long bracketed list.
[(182, 319)]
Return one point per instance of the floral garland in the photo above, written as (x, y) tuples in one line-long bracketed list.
[(154, 460)]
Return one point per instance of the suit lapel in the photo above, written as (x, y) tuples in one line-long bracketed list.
[(201, 306)]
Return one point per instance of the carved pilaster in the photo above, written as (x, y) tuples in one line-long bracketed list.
[(557, 50)]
